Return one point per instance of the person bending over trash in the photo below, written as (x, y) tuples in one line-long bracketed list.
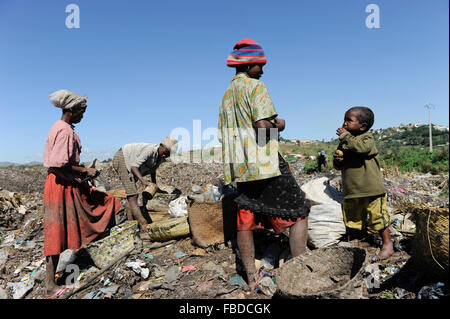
[(364, 206), (269, 195), (74, 213), (134, 161)]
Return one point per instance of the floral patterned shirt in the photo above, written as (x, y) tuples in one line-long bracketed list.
[(246, 154)]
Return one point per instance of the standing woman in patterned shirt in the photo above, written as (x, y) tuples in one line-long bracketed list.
[(74, 213), (269, 196)]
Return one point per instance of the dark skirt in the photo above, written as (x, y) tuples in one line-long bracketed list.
[(278, 196)]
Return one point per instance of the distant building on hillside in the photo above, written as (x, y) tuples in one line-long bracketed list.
[(440, 127), (304, 142)]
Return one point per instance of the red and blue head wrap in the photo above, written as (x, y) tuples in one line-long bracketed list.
[(246, 51)]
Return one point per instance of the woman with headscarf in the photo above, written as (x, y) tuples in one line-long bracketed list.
[(74, 213), (269, 196)]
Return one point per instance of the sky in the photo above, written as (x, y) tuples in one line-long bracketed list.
[(150, 68)]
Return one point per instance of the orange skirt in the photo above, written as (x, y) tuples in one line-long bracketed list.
[(74, 214)]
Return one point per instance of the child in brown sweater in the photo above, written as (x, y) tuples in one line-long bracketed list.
[(364, 205)]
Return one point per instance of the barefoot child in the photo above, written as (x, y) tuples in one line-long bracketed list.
[(364, 205)]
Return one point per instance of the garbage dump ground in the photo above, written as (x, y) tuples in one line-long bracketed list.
[(180, 265)]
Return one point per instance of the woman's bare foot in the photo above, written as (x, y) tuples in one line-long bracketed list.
[(250, 287), (55, 292)]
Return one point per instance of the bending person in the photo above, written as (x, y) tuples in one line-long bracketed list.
[(74, 213), (134, 161)]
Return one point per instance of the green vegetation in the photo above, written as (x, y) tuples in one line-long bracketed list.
[(406, 148), (417, 159)]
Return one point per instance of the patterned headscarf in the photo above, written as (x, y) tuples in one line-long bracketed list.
[(246, 51), (65, 99)]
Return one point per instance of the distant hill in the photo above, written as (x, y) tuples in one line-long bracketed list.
[(8, 164)]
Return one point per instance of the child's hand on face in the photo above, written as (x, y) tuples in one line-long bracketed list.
[(340, 131)]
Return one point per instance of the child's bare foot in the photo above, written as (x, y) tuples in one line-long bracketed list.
[(386, 251)]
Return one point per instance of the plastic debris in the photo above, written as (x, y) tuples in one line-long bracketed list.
[(237, 280), (138, 267), (188, 268)]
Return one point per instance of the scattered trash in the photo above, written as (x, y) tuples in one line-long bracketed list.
[(211, 266), (172, 266), (179, 254), (21, 289), (204, 286), (138, 267), (178, 207), (434, 291)]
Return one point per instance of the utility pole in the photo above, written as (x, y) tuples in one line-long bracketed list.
[(429, 106)]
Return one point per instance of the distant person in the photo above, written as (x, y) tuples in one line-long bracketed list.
[(322, 160), (269, 196), (74, 213), (364, 205), (134, 161)]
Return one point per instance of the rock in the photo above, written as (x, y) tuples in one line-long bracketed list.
[(211, 266), (3, 294), (93, 295), (3, 258), (172, 274), (66, 258), (110, 289), (267, 286), (21, 289)]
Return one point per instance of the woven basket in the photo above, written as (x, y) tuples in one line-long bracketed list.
[(430, 245), (321, 273), (206, 222)]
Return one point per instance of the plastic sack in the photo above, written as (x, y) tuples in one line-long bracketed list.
[(178, 207), (322, 191), (325, 225)]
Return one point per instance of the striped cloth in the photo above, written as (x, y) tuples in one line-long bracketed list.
[(246, 51), (125, 176)]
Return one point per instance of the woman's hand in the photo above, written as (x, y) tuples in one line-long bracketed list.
[(91, 172)]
